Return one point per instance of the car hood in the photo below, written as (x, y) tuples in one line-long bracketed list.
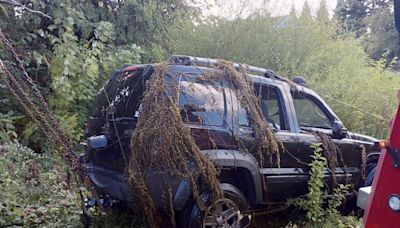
[(362, 137)]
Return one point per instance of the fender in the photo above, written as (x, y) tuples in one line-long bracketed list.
[(372, 156), (238, 159)]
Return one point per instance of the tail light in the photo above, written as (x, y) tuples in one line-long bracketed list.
[(129, 71)]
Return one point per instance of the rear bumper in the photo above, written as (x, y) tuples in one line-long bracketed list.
[(114, 184), (109, 182)]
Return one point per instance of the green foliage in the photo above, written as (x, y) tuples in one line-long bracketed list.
[(352, 13), (359, 91), (314, 200), (33, 191), (7, 128), (322, 12), (115, 58), (336, 199), (317, 214), (382, 41), (306, 12), (72, 54), (373, 22), (75, 67)]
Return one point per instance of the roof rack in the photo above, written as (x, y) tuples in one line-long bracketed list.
[(190, 61)]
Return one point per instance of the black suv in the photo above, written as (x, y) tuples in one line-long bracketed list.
[(291, 109)]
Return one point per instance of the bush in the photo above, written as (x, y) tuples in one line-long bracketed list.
[(314, 202), (34, 190), (360, 91), (7, 128)]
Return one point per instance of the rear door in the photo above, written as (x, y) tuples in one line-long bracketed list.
[(283, 178), (203, 108)]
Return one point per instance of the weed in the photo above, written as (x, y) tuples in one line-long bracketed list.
[(321, 208)]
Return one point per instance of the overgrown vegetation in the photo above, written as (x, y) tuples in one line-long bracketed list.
[(266, 147), (334, 65), (71, 52), (322, 207), (34, 190), (37, 191), (163, 143)]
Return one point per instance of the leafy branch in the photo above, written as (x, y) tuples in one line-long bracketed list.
[(23, 7)]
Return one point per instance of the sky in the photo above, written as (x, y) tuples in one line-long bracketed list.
[(282, 7), (233, 8)]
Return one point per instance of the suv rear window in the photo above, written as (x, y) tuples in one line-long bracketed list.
[(201, 104), (120, 96)]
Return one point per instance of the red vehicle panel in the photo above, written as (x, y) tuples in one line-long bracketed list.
[(386, 183)]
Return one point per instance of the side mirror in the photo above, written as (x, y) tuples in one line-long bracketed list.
[(338, 130)]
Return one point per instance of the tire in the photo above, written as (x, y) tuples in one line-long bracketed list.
[(369, 167), (370, 177), (191, 215)]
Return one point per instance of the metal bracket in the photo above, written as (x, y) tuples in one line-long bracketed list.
[(394, 153)]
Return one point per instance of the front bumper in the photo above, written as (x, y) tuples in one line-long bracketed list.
[(362, 197)]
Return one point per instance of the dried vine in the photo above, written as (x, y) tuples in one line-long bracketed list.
[(163, 143), (363, 154), (35, 106), (331, 152), (266, 146)]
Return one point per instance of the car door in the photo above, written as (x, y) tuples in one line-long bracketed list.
[(282, 178), (314, 115)]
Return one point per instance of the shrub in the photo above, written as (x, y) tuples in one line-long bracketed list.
[(34, 190), (319, 215)]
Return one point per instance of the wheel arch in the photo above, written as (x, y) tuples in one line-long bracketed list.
[(239, 169), (372, 157)]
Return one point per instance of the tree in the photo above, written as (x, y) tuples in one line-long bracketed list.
[(72, 51), (306, 12), (293, 11), (382, 40), (323, 13), (373, 22), (351, 13), (336, 67)]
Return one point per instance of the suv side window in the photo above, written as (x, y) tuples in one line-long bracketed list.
[(233, 103), (309, 112), (271, 106), (201, 104)]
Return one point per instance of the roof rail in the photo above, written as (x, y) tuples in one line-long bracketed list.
[(190, 60)]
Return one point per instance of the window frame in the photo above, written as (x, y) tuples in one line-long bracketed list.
[(222, 93), (281, 100), (283, 119), (315, 100)]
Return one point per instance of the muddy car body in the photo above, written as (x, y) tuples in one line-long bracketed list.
[(217, 121)]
